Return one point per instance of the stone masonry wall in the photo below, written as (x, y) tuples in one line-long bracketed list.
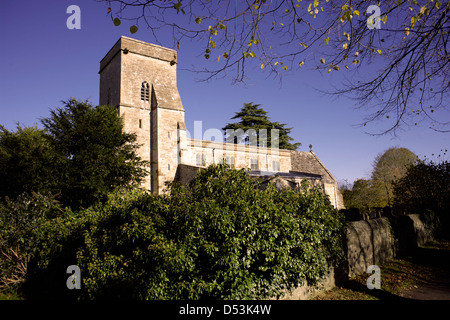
[(371, 242), (214, 152)]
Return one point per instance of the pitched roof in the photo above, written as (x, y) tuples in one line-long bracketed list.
[(308, 162)]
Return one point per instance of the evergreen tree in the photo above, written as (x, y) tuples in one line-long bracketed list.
[(255, 128), (80, 156), (27, 162), (98, 155)]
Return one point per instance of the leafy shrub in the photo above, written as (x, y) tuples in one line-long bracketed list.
[(220, 238), (21, 231)]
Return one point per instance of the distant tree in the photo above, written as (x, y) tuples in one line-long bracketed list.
[(253, 119), (358, 196), (388, 167), (377, 192)]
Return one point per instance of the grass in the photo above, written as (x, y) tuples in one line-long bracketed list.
[(398, 276)]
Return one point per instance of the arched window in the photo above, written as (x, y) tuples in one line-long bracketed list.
[(145, 91)]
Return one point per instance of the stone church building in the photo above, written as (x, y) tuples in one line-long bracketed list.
[(141, 80)]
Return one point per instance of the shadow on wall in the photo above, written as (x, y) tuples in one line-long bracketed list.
[(370, 242), (373, 242)]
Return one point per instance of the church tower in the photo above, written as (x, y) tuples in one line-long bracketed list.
[(140, 79)]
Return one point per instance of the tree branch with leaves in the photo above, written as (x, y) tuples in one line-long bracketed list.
[(396, 58)]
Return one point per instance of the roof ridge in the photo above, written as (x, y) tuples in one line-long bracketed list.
[(323, 166)]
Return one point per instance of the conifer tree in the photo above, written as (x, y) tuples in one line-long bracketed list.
[(255, 128)]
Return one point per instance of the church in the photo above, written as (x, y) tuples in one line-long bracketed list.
[(140, 79)]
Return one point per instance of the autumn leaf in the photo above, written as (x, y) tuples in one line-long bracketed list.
[(133, 29), (413, 22)]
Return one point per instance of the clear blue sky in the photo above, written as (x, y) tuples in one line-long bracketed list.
[(43, 62)]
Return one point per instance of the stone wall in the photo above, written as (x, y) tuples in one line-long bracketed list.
[(306, 292), (411, 232), (216, 151), (371, 242)]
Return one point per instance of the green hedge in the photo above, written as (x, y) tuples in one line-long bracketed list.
[(222, 237)]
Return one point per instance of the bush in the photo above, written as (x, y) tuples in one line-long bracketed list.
[(21, 232), (220, 238)]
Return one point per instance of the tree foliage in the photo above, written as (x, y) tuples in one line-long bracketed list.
[(406, 40), (377, 192), (98, 155), (253, 122), (81, 155), (388, 167), (22, 224), (359, 196), (27, 162), (425, 189)]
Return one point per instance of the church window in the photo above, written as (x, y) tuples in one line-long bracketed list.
[(140, 123), (200, 159), (275, 166), (254, 164), (145, 91), (230, 161)]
